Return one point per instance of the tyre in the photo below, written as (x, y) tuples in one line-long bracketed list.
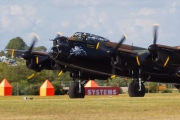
[(74, 91), (177, 86), (133, 89)]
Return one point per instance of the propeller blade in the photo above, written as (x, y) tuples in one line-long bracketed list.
[(31, 76), (153, 48), (110, 51), (37, 59), (34, 41), (155, 33), (59, 34), (101, 47), (12, 53), (120, 42), (167, 60), (137, 60), (115, 52), (60, 73), (113, 76), (27, 54), (58, 67)]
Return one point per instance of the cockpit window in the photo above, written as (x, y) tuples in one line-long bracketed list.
[(89, 37)]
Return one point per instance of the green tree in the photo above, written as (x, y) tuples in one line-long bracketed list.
[(152, 87), (2, 53), (16, 43), (40, 48), (18, 78), (118, 81), (58, 89)]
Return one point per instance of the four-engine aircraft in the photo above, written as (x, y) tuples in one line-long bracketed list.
[(88, 56)]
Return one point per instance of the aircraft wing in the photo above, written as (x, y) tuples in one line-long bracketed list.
[(124, 60), (12, 51), (127, 51), (165, 55)]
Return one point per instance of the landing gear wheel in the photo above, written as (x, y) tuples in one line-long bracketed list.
[(133, 89), (74, 91), (177, 86)]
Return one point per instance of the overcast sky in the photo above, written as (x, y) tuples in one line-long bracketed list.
[(107, 18)]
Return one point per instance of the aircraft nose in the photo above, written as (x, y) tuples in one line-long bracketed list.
[(54, 52)]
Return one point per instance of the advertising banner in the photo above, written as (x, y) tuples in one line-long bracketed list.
[(102, 90)]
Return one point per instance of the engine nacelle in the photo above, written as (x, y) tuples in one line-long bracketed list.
[(161, 58), (43, 63), (124, 62), (31, 64)]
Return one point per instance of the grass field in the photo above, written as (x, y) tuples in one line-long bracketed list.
[(152, 107)]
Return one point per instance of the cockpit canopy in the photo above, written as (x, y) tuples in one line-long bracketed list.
[(79, 36), (82, 36)]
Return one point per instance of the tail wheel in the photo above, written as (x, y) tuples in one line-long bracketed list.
[(74, 91), (133, 89)]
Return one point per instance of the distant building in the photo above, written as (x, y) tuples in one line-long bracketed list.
[(7, 60)]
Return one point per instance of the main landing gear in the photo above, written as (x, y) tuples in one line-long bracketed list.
[(134, 91), (136, 87), (76, 89)]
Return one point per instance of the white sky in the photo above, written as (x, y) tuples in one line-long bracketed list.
[(107, 18)]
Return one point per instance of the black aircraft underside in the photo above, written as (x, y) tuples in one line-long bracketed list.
[(104, 70)]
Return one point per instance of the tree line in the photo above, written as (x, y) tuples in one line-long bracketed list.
[(18, 78)]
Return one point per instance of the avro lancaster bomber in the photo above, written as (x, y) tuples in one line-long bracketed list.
[(88, 56)]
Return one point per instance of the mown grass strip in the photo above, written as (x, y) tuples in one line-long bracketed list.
[(121, 107)]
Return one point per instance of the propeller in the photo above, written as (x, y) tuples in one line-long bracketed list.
[(27, 54), (155, 33), (31, 76), (120, 42), (153, 48), (59, 34), (12, 54), (115, 52), (111, 52), (58, 67), (155, 51)]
